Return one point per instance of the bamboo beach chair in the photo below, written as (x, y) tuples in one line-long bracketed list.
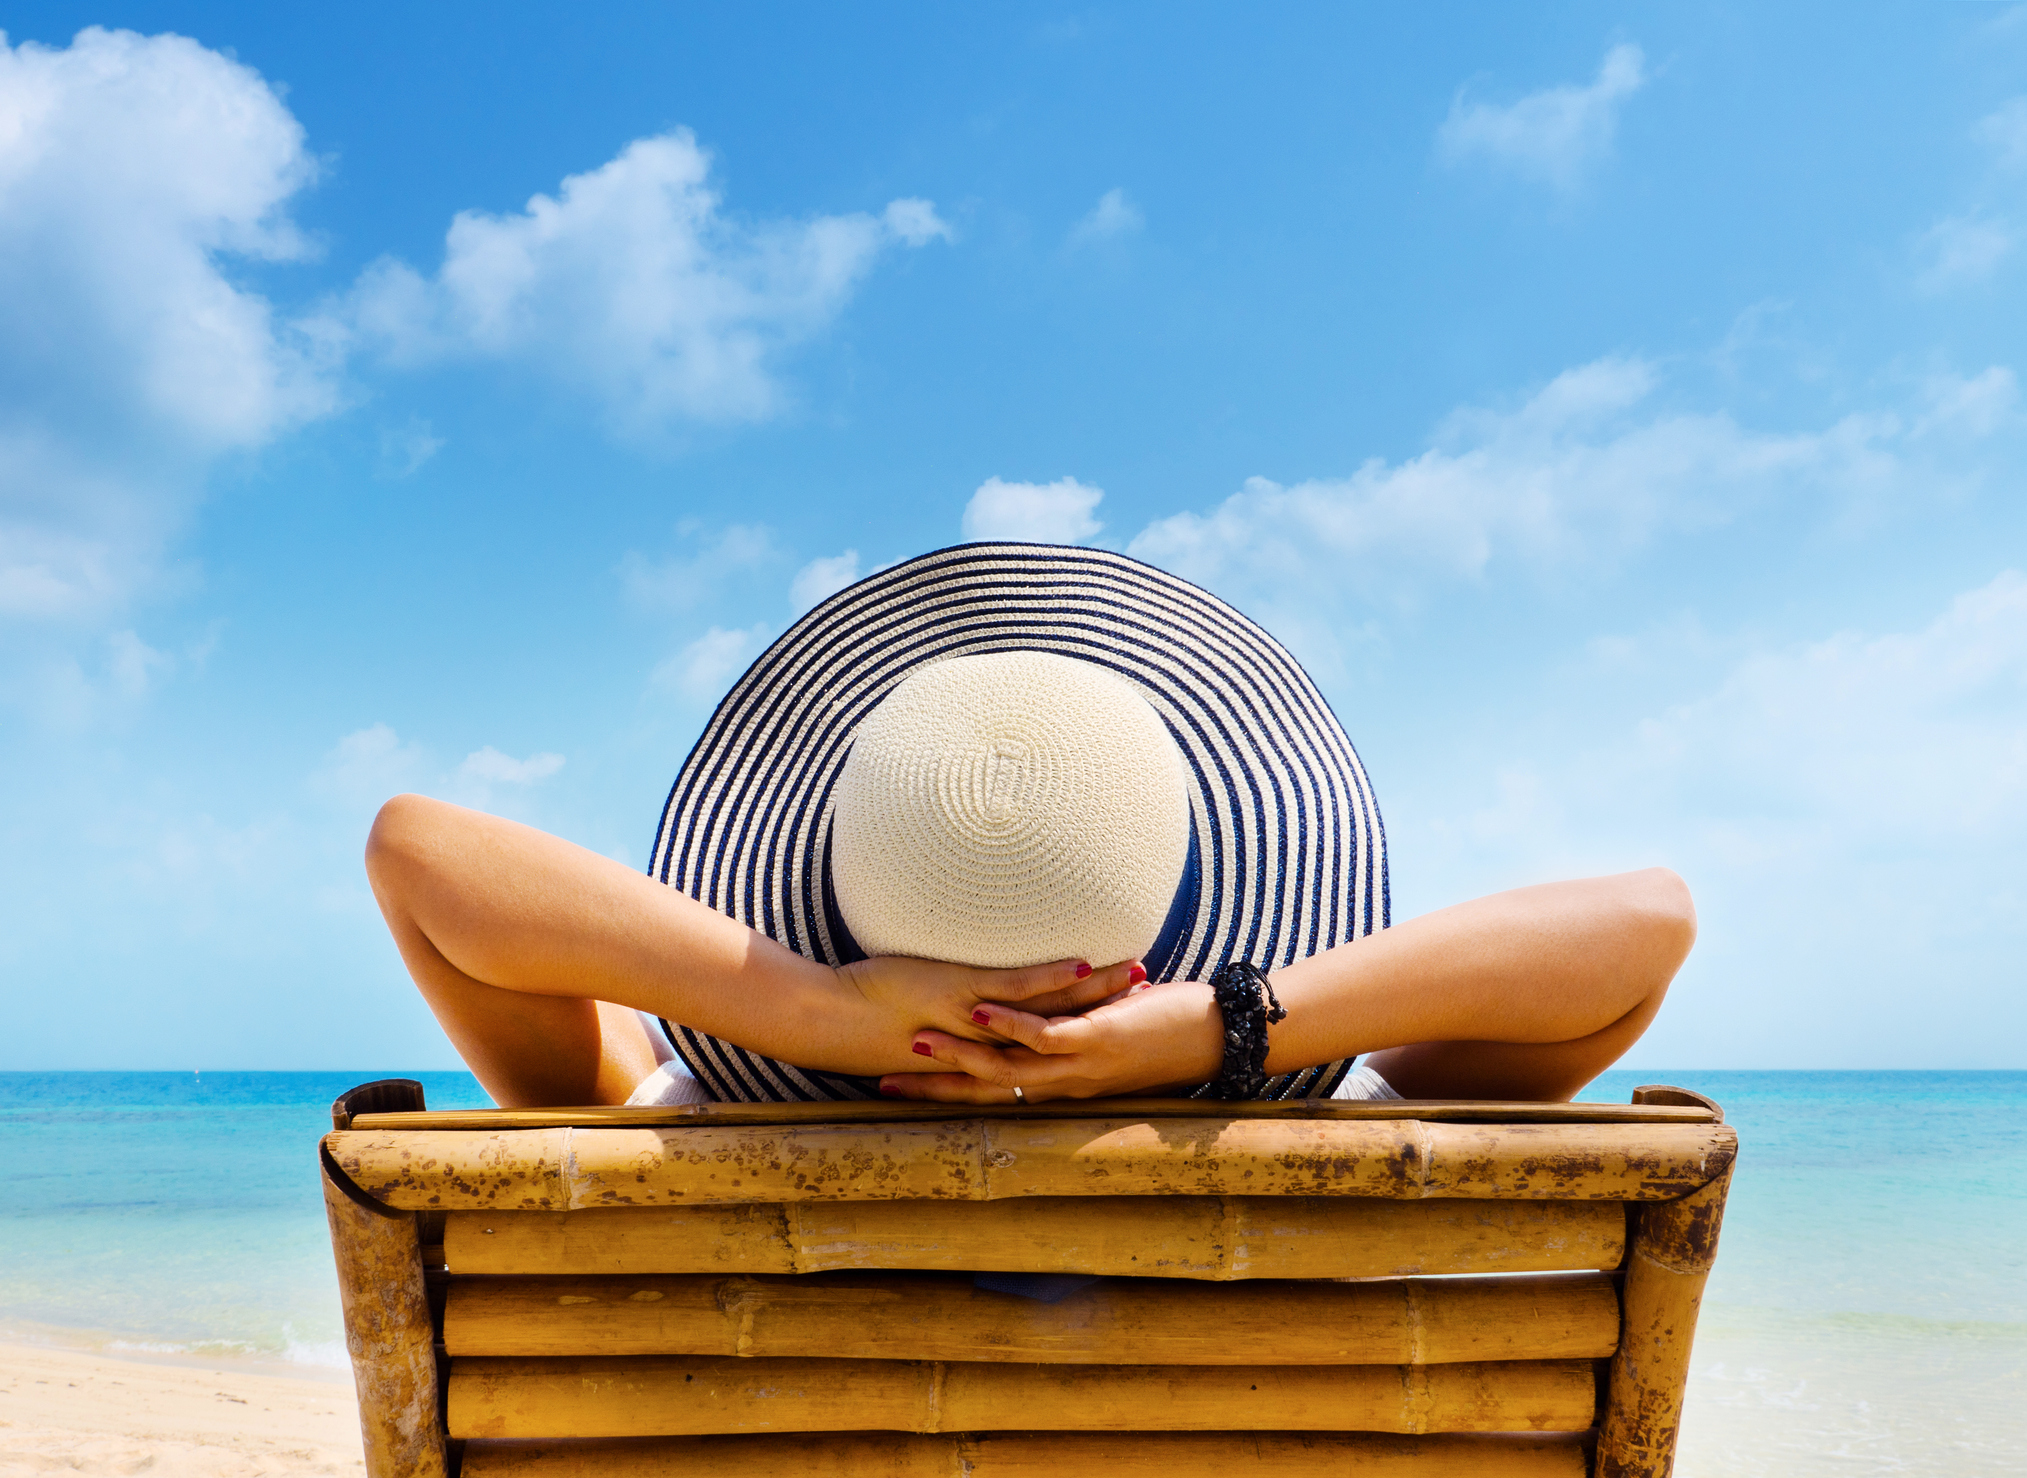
[(737, 1290)]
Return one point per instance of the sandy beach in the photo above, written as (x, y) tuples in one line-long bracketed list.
[(68, 1411)]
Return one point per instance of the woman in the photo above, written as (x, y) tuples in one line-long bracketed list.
[(1010, 823)]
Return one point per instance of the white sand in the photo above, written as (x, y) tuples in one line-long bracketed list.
[(66, 1411)]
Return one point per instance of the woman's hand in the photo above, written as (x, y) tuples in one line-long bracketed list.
[(1154, 1037), (897, 998)]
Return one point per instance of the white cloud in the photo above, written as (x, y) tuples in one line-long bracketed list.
[(1576, 478), (682, 582), (135, 667), (404, 448), (1553, 135), (2004, 131), (1967, 248), (368, 765), (1058, 512), (630, 284), (1848, 811), (1961, 250), (823, 577), (488, 765), (702, 670), (1915, 737), (1975, 406), (1112, 217), (133, 172), (915, 223)]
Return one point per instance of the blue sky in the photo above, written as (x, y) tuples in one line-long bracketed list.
[(1616, 407)]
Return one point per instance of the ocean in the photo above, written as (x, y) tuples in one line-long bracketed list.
[(1868, 1313)]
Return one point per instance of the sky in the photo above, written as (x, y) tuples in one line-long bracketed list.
[(1615, 407)]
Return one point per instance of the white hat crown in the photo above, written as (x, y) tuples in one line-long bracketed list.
[(1007, 809)]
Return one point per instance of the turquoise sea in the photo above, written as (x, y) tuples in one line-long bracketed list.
[(1868, 1313)]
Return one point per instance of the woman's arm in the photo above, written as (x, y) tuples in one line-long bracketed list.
[(515, 937), (1525, 995)]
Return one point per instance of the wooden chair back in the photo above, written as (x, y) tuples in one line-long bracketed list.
[(1313, 1288)]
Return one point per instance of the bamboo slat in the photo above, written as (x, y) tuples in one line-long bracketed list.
[(993, 1159), (1039, 1455), (1689, 1109), (670, 1396), (1154, 1321), (387, 1333), (1166, 1236), (1674, 1246)]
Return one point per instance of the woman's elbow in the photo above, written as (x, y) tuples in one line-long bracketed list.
[(399, 839), (1664, 915)]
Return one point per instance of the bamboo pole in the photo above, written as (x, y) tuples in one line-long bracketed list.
[(1040, 1455), (1204, 1237), (994, 1159), (1669, 1260), (387, 1332), (1121, 1321), (1689, 1109), (678, 1396)]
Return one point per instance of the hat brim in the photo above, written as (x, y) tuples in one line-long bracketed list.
[(1289, 848)]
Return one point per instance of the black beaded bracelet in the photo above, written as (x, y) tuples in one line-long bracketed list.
[(1243, 996)]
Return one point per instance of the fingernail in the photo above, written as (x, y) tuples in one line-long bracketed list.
[(923, 1049), (1135, 975), (888, 1090), (981, 1017), (1083, 970)]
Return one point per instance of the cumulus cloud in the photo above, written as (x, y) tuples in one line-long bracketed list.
[(704, 668), (682, 582), (1552, 136), (1960, 250), (823, 577), (493, 768), (1916, 737), (135, 172), (1058, 512), (1848, 810), (633, 286), (1112, 217), (404, 448), (370, 764), (2004, 132), (915, 223), (1578, 476), (1969, 246)]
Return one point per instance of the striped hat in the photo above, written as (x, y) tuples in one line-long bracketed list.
[(1286, 854)]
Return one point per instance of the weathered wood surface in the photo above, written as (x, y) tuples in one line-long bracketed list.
[(1120, 1321), (1660, 1095), (393, 1097), (1689, 1109), (1039, 1455), (1673, 1248), (387, 1333), (1205, 1237), (993, 1159), (672, 1396)]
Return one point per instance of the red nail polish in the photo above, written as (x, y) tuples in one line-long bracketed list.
[(1083, 970), (1135, 975), (923, 1048), (981, 1017), (888, 1090)]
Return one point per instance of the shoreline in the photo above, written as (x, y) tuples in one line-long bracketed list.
[(69, 1409)]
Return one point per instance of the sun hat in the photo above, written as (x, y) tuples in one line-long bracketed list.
[(1007, 809), (1011, 753)]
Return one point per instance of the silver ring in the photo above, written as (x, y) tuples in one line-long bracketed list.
[(1020, 1098)]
